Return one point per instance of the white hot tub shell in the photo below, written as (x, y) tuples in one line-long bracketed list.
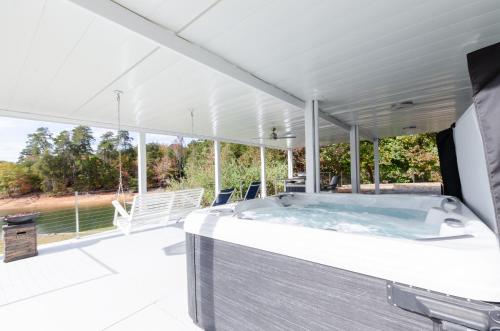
[(252, 274)]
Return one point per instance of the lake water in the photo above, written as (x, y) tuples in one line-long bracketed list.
[(63, 221)]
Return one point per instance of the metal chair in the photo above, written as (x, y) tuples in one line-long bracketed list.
[(223, 197), (252, 191), (332, 186)]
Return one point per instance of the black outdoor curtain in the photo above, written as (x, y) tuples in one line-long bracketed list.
[(448, 163), (484, 72)]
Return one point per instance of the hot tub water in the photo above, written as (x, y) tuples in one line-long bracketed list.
[(381, 221)]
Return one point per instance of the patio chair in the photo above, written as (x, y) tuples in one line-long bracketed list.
[(223, 197), (332, 186), (252, 191)]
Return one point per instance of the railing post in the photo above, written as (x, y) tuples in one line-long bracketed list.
[(77, 216)]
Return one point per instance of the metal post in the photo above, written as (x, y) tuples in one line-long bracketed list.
[(217, 165), (141, 156), (263, 187), (312, 147), (354, 150), (290, 162), (77, 216), (376, 172), (317, 171)]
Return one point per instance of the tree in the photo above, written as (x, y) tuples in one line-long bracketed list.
[(165, 163), (408, 159), (37, 144), (124, 140), (64, 159), (81, 147), (82, 139), (68, 162), (107, 148), (14, 179), (335, 160)]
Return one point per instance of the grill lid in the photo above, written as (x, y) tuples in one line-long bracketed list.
[(20, 219)]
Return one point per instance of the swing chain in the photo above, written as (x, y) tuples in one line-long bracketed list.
[(120, 192)]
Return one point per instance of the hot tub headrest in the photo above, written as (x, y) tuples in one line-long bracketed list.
[(256, 204)]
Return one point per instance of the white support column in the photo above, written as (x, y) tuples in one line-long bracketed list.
[(141, 163), (354, 150), (317, 177), (217, 165), (376, 171), (289, 154), (312, 146), (263, 187)]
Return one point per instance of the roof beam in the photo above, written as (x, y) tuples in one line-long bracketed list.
[(335, 121), (169, 39), (329, 118)]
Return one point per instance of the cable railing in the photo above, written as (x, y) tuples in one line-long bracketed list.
[(90, 213)]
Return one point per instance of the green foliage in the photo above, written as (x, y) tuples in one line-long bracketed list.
[(38, 143), (67, 162), (407, 159), (14, 179), (240, 166), (403, 159), (165, 164)]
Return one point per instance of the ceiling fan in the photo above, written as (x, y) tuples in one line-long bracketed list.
[(275, 136)]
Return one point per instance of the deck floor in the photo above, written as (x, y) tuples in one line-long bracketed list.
[(102, 282)]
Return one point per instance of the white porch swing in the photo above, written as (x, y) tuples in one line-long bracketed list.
[(150, 209)]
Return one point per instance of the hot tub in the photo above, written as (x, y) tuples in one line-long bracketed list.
[(396, 216), (338, 254), (359, 262)]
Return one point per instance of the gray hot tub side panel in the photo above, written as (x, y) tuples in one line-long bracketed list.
[(233, 287)]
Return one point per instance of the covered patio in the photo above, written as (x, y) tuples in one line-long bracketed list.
[(226, 71), (101, 282), (232, 72)]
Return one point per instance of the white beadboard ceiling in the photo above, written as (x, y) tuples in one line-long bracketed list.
[(360, 58)]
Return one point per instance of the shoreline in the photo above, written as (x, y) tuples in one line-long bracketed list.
[(45, 203)]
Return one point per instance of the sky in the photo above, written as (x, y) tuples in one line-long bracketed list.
[(14, 133)]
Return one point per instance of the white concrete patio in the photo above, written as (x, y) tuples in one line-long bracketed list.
[(102, 282)]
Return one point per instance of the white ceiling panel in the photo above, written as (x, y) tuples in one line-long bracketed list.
[(70, 73), (359, 58), (105, 53), (221, 106), (50, 48), (357, 55), (19, 21)]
